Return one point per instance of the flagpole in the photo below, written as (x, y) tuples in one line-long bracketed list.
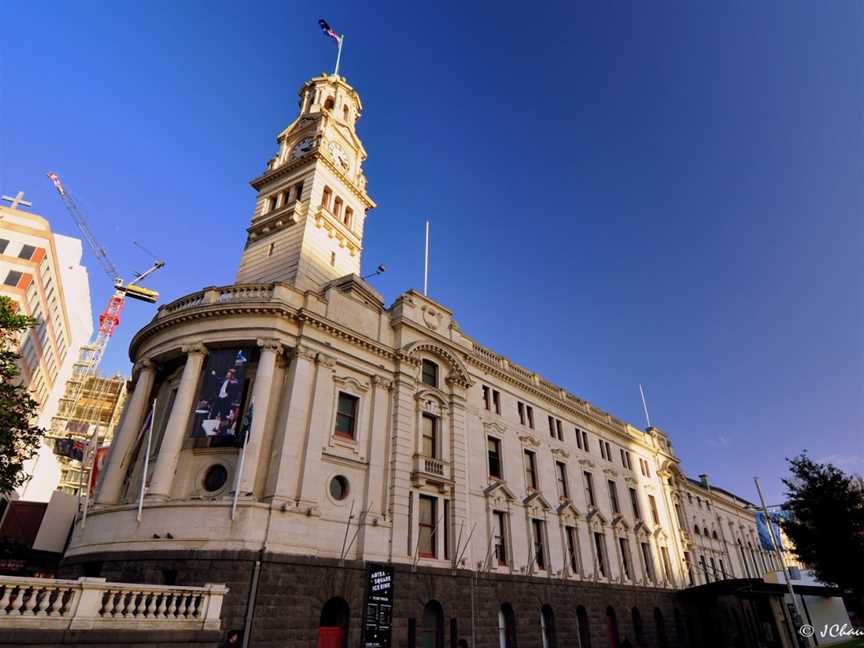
[(338, 55), (426, 262), (146, 461), (644, 406)]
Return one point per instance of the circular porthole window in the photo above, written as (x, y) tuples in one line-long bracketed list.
[(339, 487), (215, 478)]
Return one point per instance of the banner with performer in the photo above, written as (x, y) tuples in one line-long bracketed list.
[(217, 409)]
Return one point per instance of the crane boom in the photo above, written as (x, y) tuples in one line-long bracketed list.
[(84, 228)]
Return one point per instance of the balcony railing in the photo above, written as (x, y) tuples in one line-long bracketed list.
[(429, 470), (93, 603)]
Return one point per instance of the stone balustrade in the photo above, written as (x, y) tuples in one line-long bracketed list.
[(219, 295), (94, 603)]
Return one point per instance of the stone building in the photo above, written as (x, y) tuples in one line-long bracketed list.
[(511, 511)]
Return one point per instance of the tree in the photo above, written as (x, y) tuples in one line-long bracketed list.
[(825, 521), (19, 436)]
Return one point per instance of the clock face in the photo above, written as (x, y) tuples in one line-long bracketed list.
[(303, 146), (339, 155)]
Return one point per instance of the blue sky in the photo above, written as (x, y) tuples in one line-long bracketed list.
[(620, 192)]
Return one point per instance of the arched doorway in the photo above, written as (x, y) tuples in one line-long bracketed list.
[(506, 627), (680, 630), (638, 630), (333, 626), (432, 627), (660, 623), (612, 628), (584, 628), (547, 627)]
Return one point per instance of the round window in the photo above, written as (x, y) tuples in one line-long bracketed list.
[(215, 477), (339, 487)]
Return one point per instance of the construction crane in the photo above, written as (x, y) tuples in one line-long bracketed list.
[(110, 317), (91, 354)]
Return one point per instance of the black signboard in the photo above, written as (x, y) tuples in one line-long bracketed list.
[(378, 612)]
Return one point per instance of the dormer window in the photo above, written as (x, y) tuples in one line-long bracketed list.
[(429, 373)]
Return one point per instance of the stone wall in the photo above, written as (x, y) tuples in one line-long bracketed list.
[(292, 590)]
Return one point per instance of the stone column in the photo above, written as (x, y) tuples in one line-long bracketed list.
[(118, 461), (270, 350), (178, 422), (318, 430)]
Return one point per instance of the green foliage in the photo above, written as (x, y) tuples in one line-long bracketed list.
[(826, 521), (19, 437)]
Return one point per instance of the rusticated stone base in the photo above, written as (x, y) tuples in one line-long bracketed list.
[(292, 591)]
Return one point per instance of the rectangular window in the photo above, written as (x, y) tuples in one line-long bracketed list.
[(602, 448), (429, 436), (3, 244), (539, 554), (520, 407), (680, 516), (585, 440), (570, 535), (722, 568), (298, 191), (426, 526), (561, 473), (600, 548), (552, 427), (613, 497), (530, 470), (704, 568), (500, 537), (667, 564), (26, 252), (689, 568), (558, 429), (654, 514), (430, 373), (530, 411), (12, 278), (579, 438), (608, 451), (446, 529), (346, 415), (493, 449), (589, 489), (487, 403), (713, 568), (649, 564), (634, 503), (625, 557), (496, 401)]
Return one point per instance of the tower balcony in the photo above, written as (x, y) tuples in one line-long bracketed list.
[(276, 220), (431, 471)]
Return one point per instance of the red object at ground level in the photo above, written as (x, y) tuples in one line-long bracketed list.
[(330, 637)]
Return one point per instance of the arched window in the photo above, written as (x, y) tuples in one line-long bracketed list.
[(583, 627), (638, 630), (333, 626), (547, 627), (432, 631), (612, 628), (662, 640), (696, 529), (680, 630), (337, 207), (506, 627), (345, 113), (329, 103)]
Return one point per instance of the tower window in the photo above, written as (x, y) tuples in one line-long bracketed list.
[(326, 195), (345, 113), (337, 207), (298, 191), (430, 373), (349, 213), (270, 250), (329, 103), (333, 259)]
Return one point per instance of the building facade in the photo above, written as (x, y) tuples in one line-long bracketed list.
[(42, 272), (512, 511)]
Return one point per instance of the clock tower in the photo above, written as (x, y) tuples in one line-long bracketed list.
[(307, 228)]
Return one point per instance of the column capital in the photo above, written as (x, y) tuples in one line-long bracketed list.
[(143, 364), (190, 349), (325, 360), (304, 352), (382, 382), (270, 344)]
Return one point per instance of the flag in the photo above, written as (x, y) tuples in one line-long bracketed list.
[(328, 30), (98, 464)]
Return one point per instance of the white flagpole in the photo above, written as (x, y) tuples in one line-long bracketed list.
[(338, 55), (146, 460), (426, 263), (644, 406), (242, 461)]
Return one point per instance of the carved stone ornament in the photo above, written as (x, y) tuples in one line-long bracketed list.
[(382, 382), (304, 353), (431, 317), (560, 452), (270, 344), (190, 349), (528, 440), (354, 384)]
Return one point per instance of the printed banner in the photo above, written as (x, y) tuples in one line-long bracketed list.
[(218, 407), (764, 533), (378, 612)]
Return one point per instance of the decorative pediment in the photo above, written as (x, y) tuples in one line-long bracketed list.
[(351, 383), (586, 462), (432, 401), (610, 473), (499, 488), (659, 533), (529, 440), (493, 427), (560, 452), (619, 522), (536, 500), (641, 530), (594, 516), (458, 372), (566, 509)]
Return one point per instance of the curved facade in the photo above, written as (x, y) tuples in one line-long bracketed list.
[(387, 435)]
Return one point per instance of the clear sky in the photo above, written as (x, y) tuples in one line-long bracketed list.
[(620, 192)]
